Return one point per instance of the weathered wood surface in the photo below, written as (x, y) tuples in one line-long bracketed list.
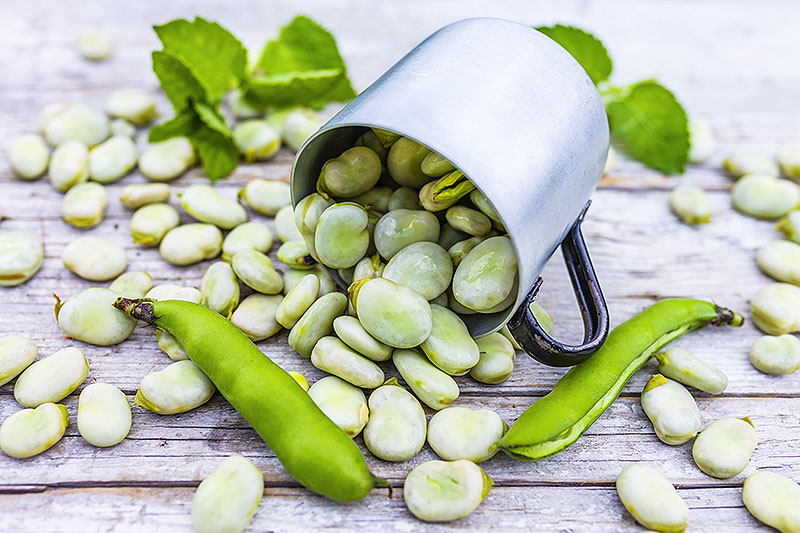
[(730, 61)]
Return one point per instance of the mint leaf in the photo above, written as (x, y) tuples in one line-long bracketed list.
[(211, 117), (177, 81), (215, 57), (587, 49), (653, 125), (309, 88), (181, 125), (217, 152), (305, 54)]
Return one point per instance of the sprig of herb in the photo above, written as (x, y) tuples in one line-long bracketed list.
[(201, 62), (645, 116)]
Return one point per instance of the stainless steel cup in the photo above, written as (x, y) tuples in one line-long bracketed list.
[(520, 117)]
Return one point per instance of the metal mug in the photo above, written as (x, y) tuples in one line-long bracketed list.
[(518, 115)]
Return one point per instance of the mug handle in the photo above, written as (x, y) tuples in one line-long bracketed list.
[(529, 333)]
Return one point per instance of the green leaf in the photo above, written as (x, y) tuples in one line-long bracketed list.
[(309, 88), (302, 48), (177, 81), (215, 57), (587, 49), (181, 125), (211, 117), (653, 125), (217, 152)]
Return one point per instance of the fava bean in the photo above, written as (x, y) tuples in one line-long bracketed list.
[(248, 236), (31, 431), (683, 367), (168, 291), (69, 165), (284, 225), (702, 142), (780, 260), (742, 163), (226, 500), (255, 316), (772, 498), (16, 354), (468, 220), (84, 205), (257, 272), (139, 194), (723, 449), (28, 156), (299, 125), (220, 288), (122, 127), (151, 222), (257, 140), (133, 284), (341, 238), (776, 355), (166, 160), (266, 196), (404, 163), (133, 105), (94, 258), (690, 204), (485, 206), (306, 216), (20, 257), (297, 301), (433, 387), (448, 236), (295, 254), (387, 138), (393, 314), (205, 204), (355, 171), (459, 250), (87, 317), (789, 225), (375, 200), (51, 379), (764, 196), (496, 359), (404, 198), (316, 322), (449, 345), (788, 159), (397, 229), (461, 433), (191, 243), (343, 403), (368, 268), (558, 419), (423, 266), (313, 450), (112, 159), (371, 141), (485, 277), (776, 309), (239, 106), (77, 122), (350, 330), (170, 346), (104, 415), (671, 409), (444, 192), (178, 388), (435, 165), (335, 357), (441, 491), (95, 45), (293, 276), (396, 428), (651, 499)]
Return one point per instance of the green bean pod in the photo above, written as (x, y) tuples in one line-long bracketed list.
[(558, 419), (312, 448)]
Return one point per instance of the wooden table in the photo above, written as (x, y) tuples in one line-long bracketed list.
[(734, 62)]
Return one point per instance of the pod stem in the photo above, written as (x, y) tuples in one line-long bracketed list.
[(727, 317), (138, 308), (381, 482)]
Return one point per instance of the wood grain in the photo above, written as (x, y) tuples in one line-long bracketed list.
[(728, 61)]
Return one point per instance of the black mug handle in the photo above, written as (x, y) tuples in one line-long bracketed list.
[(529, 333)]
